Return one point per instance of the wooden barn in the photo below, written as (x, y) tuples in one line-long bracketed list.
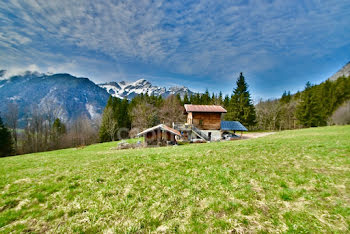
[(204, 117), (160, 135)]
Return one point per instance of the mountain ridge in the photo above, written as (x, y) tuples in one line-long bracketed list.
[(344, 71), (69, 97), (129, 90)]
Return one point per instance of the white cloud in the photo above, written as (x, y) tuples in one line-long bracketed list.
[(204, 38), (13, 71)]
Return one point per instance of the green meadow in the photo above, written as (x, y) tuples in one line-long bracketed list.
[(292, 181)]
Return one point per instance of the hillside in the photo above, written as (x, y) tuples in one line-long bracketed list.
[(296, 181), (344, 71), (69, 97)]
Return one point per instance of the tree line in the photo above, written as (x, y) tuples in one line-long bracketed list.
[(317, 105), (122, 118), (43, 131)]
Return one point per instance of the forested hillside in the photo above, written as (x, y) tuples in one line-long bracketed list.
[(317, 105)]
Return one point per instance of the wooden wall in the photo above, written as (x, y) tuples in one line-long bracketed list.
[(152, 138), (206, 121), (189, 118)]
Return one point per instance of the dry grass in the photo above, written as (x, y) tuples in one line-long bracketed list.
[(294, 181)]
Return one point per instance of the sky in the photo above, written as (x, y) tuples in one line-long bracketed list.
[(277, 44)]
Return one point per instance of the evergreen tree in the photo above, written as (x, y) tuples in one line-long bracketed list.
[(178, 97), (220, 101), (192, 99), (286, 97), (197, 100), (186, 101), (308, 110), (58, 130), (213, 99), (6, 142), (241, 107), (226, 101), (59, 127), (123, 118), (116, 120), (205, 98), (103, 132)]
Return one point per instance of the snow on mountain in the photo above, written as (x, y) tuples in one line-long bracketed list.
[(129, 90), (67, 96)]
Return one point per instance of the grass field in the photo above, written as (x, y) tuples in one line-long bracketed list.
[(293, 181)]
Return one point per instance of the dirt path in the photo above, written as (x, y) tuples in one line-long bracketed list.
[(256, 135)]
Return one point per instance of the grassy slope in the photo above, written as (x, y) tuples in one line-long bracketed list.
[(291, 181)]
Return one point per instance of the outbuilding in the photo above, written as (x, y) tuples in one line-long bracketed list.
[(232, 126), (160, 135)]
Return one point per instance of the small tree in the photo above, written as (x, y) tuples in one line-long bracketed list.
[(6, 143), (186, 99), (58, 130), (110, 122), (143, 115), (172, 111), (12, 121)]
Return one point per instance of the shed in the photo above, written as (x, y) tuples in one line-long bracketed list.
[(232, 126), (160, 134)]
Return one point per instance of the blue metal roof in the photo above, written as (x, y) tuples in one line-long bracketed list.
[(232, 126)]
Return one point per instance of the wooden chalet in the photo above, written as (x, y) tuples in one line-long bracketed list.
[(204, 117), (160, 135), (203, 122)]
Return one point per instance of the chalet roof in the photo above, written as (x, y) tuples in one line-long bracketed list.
[(204, 108), (160, 127), (232, 126)]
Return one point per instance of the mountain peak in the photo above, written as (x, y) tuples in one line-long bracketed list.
[(128, 90), (344, 71), (142, 82)]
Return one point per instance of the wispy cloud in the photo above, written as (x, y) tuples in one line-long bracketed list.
[(195, 39)]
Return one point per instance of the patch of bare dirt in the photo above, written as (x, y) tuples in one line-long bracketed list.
[(256, 135)]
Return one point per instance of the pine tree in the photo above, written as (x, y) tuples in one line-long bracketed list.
[(197, 99), (286, 97), (58, 130), (205, 98), (192, 99), (226, 101), (308, 110), (220, 101), (186, 101), (6, 142), (241, 107), (123, 118), (104, 133), (213, 99), (116, 120)]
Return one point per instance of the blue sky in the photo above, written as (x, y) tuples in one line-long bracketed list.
[(278, 45)]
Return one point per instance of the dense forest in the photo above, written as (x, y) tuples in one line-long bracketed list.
[(317, 105), (327, 103)]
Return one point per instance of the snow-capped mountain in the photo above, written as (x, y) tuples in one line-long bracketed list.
[(69, 97), (129, 90)]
